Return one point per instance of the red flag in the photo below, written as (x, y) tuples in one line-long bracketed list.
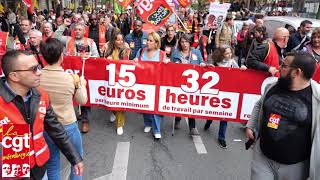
[(3, 42), (125, 3), (155, 12), (28, 3), (149, 28), (185, 3), (15, 156)]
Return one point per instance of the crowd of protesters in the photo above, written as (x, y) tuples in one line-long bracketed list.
[(50, 35)]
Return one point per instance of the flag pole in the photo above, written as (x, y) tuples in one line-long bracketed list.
[(184, 26)]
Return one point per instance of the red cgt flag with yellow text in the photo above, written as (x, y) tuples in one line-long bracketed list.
[(28, 3), (154, 12)]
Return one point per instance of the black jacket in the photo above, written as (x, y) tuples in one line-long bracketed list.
[(296, 39), (258, 54), (51, 125), (124, 27)]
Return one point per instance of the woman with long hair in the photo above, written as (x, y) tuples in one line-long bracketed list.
[(152, 53), (117, 49), (223, 56), (186, 54)]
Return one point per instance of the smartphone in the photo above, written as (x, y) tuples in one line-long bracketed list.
[(250, 142)]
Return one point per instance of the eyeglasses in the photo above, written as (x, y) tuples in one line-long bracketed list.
[(34, 69)]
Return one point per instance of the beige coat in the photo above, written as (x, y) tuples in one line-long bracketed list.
[(224, 36), (61, 88)]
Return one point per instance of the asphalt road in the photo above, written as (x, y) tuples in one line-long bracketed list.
[(137, 156)]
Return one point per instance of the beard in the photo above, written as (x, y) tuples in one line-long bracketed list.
[(285, 82)]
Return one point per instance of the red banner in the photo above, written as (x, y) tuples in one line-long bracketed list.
[(3, 42), (185, 3), (15, 150), (125, 3), (170, 89), (154, 12)]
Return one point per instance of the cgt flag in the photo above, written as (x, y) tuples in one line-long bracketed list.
[(28, 3), (125, 3), (3, 42), (185, 3), (154, 12)]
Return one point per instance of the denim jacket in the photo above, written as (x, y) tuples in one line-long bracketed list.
[(195, 57), (136, 43)]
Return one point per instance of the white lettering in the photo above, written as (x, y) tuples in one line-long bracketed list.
[(16, 143)]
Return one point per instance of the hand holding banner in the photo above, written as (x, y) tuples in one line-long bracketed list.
[(170, 89)]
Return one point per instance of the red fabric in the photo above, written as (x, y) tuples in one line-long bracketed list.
[(28, 3), (204, 44), (316, 75), (3, 42), (125, 3), (239, 39), (14, 116), (71, 45), (185, 3), (272, 58), (102, 36), (195, 43), (45, 37), (151, 77), (152, 12)]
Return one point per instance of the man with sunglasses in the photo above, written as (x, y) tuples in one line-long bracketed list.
[(286, 124), (269, 55), (98, 32), (21, 102)]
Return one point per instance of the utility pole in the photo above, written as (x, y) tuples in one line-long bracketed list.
[(318, 14)]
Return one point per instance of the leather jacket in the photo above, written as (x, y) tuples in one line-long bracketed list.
[(52, 126)]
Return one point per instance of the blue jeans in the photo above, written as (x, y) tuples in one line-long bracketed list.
[(53, 165), (154, 121), (222, 130)]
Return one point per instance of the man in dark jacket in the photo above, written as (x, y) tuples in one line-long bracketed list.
[(22, 77), (168, 42), (268, 56), (299, 39), (123, 25), (94, 30)]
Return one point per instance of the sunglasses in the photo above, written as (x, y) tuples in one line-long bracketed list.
[(33, 69)]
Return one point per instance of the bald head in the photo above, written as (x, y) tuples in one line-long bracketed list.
[(281, 37)]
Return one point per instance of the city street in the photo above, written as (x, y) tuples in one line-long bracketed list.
[(136, 156)]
